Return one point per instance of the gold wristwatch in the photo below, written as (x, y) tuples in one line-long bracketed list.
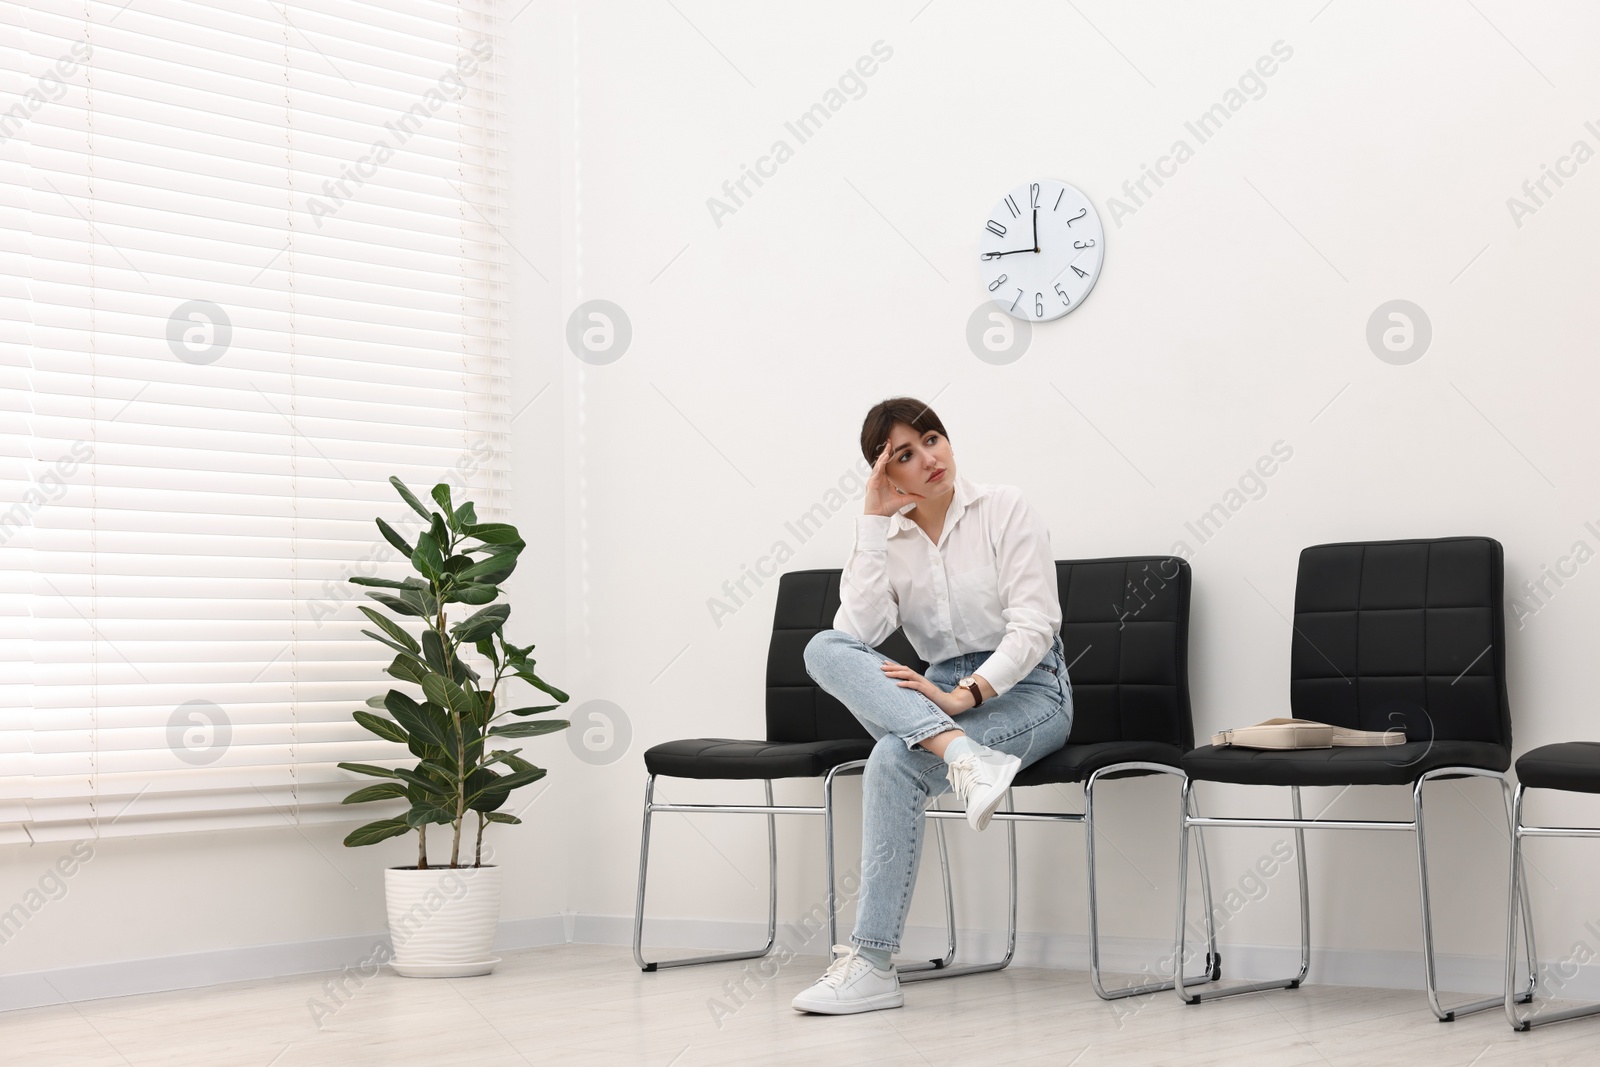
[(969, 682)]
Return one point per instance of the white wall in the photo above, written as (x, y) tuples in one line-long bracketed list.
[(1375, 164), (1231, 315)]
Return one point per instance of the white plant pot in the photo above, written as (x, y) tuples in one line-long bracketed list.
[(442, 921)]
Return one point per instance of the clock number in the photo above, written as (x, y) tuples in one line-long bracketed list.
[(1076, 217), (996, 229), (1083, 244), (1012, 204), (1038, 304), (1058, 201), (1034, 188), (1065, 299), (997, 283), (1079, 273), (1013, 306)]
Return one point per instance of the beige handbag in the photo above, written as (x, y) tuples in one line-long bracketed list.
[(1303, 733)]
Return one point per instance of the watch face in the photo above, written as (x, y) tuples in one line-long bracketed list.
[(1040, 250)]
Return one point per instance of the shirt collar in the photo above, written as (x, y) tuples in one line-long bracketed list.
[(966, 491)]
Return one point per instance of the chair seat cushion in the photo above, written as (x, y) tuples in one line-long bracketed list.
[(722, 757), (1074, 763), (1388, 765), (1573, 765)]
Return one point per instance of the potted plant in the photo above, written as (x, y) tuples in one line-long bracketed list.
[(442, 918)]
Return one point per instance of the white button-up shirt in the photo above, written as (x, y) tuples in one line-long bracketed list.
[(990, 583)]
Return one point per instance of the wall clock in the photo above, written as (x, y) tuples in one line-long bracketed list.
[(1041, 250)]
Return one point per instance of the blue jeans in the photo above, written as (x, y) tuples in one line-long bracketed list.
[(1030, 720)]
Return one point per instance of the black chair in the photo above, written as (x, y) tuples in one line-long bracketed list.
[(1573, 766), (1386, 634), (1125, 635), (808, 734)]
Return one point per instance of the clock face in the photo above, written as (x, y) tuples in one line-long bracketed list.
[(1041, 249)]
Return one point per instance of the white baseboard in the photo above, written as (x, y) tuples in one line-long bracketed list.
[(1388, 969), (127, 977)]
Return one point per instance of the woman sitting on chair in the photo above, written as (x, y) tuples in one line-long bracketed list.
[(969, 572)]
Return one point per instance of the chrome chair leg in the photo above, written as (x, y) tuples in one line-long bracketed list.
[(1430, 968), (949, 897), (1519, 895), (1213, 960), (1305, 893), (1183, 883), (644, 865)]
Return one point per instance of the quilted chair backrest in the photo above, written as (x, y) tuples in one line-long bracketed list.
[(1403, 633)]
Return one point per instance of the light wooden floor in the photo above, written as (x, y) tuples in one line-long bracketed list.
[(588, 1004)]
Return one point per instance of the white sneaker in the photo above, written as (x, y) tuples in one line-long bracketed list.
[(851, 984), (981, 780)]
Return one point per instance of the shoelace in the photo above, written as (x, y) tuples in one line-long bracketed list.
[(842, 968), (963, 774)]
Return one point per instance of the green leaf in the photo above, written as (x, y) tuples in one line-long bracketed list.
[(409, 497), (426, 721), (376, 702), (466, 514), (374, 832), (495, 567), (493, 533), (382, 583), (408, 668), (397, 605), (539, 683), (441, 496), (485, 790), (427, 785), (482, 623), (472, 593), (447, 694), (533, 711), (423, 814), (367, 768), (433, 650), (428, 559), (382, 791), (387, 729), (500, 816), (513, 781), (487, 651), (530, 729), (392, 628), (384, 640), (512, 760), (391, 535), (444, 770)]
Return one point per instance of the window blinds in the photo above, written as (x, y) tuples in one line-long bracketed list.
[(249, 268)]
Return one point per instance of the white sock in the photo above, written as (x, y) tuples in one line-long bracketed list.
[(878, 957), (961, 746)]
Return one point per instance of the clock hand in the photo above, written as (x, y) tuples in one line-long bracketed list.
[(1013, 252), (1036, 229)]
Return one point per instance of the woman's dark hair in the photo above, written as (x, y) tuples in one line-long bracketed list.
[(880, 422)]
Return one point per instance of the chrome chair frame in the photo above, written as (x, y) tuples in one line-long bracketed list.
[(1300, 824), (771, 811), (1519, 894), (1010, 816)]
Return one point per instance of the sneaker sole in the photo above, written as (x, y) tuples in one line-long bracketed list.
[(978, 817), (853, 1007)]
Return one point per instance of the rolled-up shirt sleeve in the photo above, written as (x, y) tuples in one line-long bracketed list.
[(1029, 597), (868, 608)]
